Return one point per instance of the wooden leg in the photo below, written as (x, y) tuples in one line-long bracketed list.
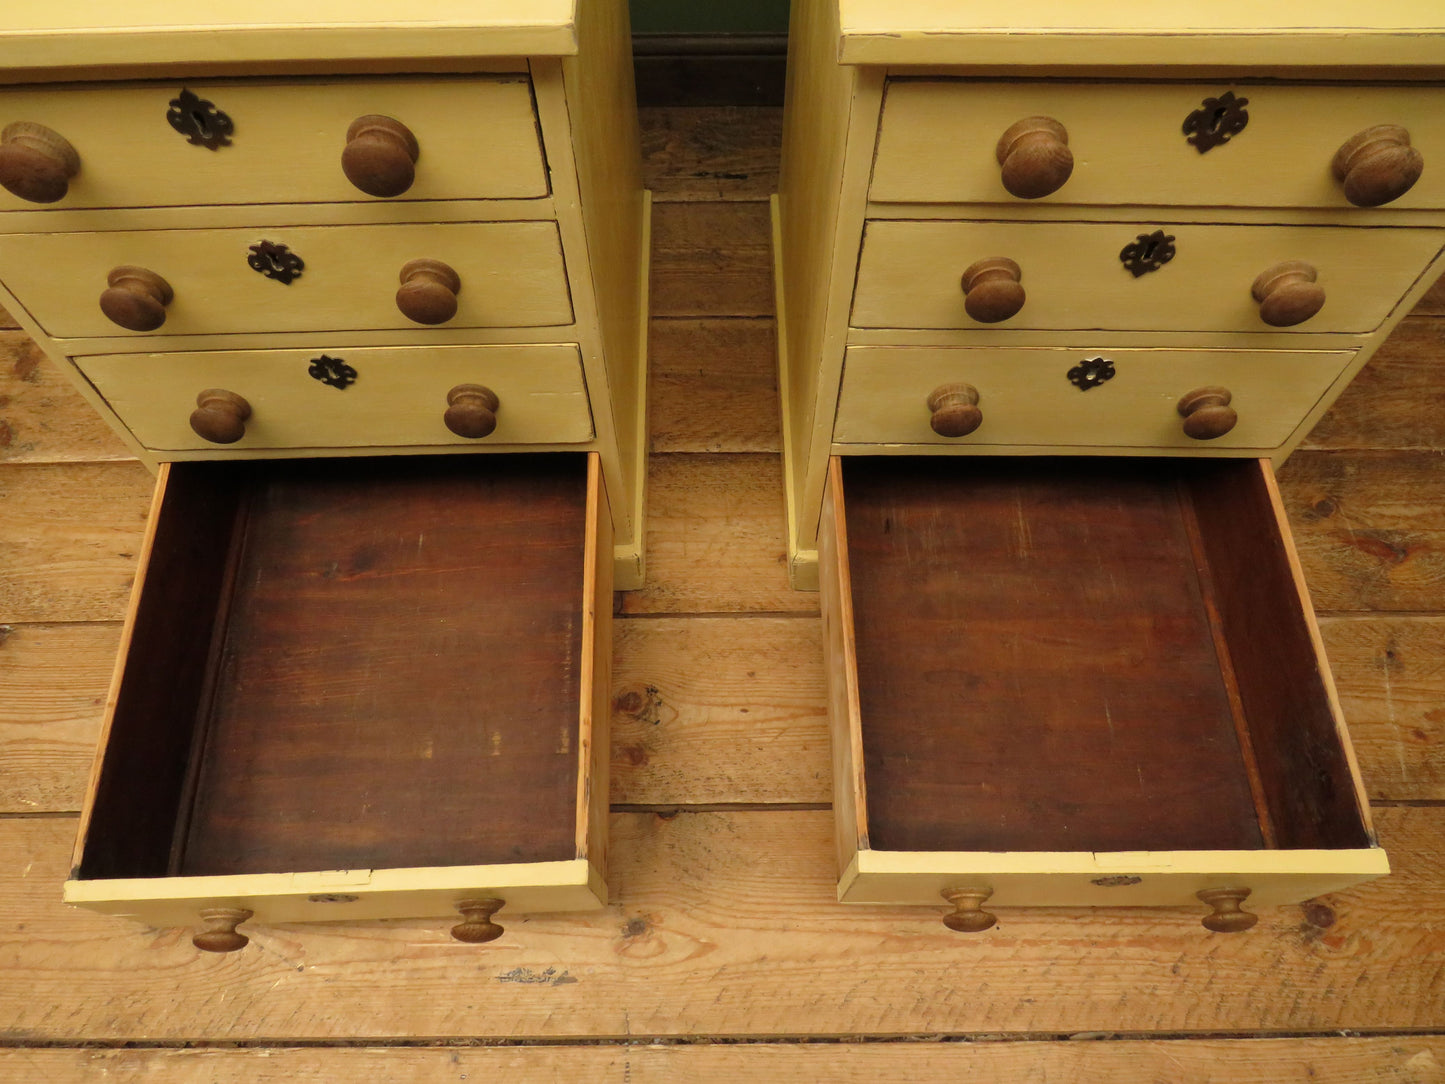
[(478, 927), (219, 933), (968, 915), (1227, 917)]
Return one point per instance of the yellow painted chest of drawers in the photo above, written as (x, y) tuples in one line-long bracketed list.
[(305, 261), (1057, 285)]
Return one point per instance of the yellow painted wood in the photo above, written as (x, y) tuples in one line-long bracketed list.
[(1059, 32), (477, 137), (398, 398), (1027, 398), (511, 273), (908, 276), (937, 138), (60, 34), (594, 742)]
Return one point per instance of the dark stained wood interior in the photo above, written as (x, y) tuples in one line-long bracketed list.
[(1037, 667), (397, 679)]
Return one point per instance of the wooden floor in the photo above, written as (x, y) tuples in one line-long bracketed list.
[(724, 955)]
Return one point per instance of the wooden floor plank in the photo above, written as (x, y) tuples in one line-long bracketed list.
[(711, 153), (1391, 678), (719, 710), (725, 924), (1370, 527), (1404, 1059), (713, 386), (716, 538), (42, 417), (1398, 400), (53, 682), (711, 259)]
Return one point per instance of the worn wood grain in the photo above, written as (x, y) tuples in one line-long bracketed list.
[(42, 417), (1404, 1059), (1390, 672), (714, 386), (711, 259), (1433, 303), (1398, 400), (69, 538), (6, 320), (719, 710), (53, 682), (1369, 528), (711, 153), (715, 538), (726, 925)]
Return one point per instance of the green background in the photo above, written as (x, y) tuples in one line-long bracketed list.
[(709, 16)]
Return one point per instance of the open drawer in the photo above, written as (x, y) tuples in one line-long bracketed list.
[(359, 689), (1079, 682)]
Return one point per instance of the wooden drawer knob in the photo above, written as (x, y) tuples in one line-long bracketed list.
[(1377, 165), (220, 416), (428, 293), (968, 915), (992, 291), (1207, 413), (1288, 293), (136, 298), (380, 155), (471, 410), (1227, 916), (955, 410), (477, 927), (219, 933), (1035, 157), (36, 162)]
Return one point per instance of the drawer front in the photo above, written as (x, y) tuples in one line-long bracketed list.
[(477, 139), (938, 137), (1073, 275), (398, 396), (512, 275), (1027, 398)]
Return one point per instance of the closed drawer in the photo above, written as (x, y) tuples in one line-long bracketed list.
[(1073, 276), (1078, 682), (512, 275), (1027, 396), (358, 689), (477, 138), (937, 142), (397, 395)]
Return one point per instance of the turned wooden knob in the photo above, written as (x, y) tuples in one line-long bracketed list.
[(477, 927), (1377, 165), (428, 291), (1207, 413), (991, 289), (220, 416), (1035, 157), (219, 933), (1288, 293), (471, 410), (955, 410), (968, 915), (380, 155), (36, 162), (1227, 917), (136, 298)]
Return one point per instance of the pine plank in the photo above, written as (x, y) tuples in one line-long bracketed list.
[(42, 417), (711, 259), (715, 538), (1390, 672), (711, 153), (714, 386), (725, 924), (1405, 1059), (1398, 400), (53, 683), (719, 710), (1370, 527), (69, 539)]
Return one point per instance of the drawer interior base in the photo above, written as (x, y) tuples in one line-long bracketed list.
[(359, 664), (1085, 655)]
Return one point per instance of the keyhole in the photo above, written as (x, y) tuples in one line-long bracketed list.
[(1150, 248), (1217, 119), (202, 122)]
